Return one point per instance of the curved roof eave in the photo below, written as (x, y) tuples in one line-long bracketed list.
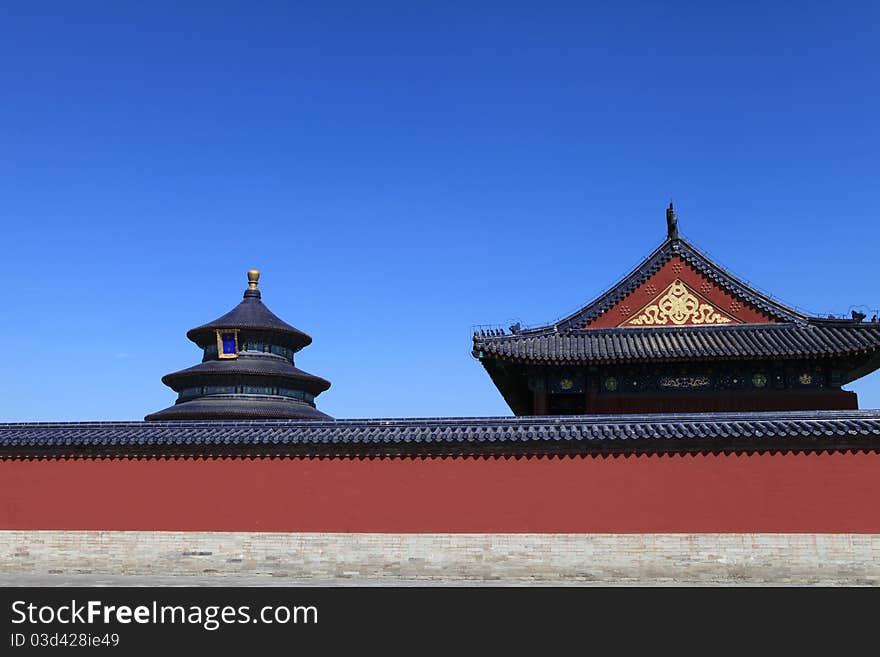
[(637, 344), (248, 366), (250, 314)]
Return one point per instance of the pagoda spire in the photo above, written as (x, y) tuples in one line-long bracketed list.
[(253, 277), (671, 223)]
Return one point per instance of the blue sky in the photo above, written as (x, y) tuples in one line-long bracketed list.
[(403, 171)]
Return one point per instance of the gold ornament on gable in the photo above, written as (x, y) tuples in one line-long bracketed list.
[(678, 305)]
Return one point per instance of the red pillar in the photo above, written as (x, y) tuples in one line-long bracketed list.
[(540, 404)]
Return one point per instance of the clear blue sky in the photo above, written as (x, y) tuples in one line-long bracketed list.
[(403, 171)]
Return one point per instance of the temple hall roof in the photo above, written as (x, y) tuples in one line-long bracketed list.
[(590, 335), (678, 246), (671, 343)]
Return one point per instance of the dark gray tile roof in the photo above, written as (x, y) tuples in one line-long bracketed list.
[(633, 344), (238, 406), (251, 314), (700, 432), (247, 367)]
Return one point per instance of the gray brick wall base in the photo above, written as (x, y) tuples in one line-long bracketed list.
[(503, 558)]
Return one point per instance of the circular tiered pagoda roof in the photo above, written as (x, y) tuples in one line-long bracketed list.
[(247, 371)]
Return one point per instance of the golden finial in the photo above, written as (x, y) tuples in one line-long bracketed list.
[(253, 278)]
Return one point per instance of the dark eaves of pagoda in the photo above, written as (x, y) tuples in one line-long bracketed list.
[(585, 435), (260, 365), (252, 315)]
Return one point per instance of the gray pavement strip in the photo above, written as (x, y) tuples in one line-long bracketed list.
[(267, 581)]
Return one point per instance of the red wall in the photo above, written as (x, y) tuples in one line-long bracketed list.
[(757, 493)]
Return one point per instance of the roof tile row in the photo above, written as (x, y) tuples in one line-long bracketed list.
[(683, 342), (578, 434)]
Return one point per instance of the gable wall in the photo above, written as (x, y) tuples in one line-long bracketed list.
[(676, 268)]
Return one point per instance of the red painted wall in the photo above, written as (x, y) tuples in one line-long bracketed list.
[(729, 493), (674, 268)]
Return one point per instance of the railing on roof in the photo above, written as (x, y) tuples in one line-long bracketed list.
[(485, 330)]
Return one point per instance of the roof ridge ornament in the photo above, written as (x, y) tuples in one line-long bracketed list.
[(671, 223)]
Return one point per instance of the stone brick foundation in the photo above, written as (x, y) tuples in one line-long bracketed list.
[(503, 558)]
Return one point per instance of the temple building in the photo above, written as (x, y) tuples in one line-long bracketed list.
[(247, 370), (683, 427), (680, 333)]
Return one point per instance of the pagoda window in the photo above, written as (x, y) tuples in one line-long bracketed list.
[(266, 348), (258, 390), (227, 343), (219, 390), (189, 393), (282, 351), (307, 397)]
